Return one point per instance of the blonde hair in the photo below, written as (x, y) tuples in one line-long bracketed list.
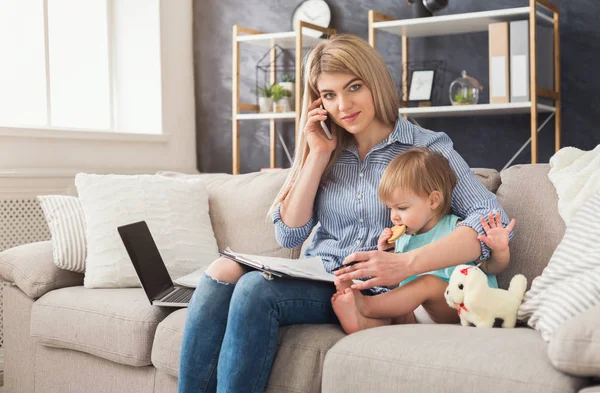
[(421, 171), (343, 53)]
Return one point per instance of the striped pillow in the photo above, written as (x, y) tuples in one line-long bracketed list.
[(65, 218), (570, 284)]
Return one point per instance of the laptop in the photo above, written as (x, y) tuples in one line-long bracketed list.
[(151, 268)]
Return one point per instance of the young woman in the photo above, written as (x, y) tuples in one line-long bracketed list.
[(231, 329)]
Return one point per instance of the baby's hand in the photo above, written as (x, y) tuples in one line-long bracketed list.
[(382, 244), (496, 236)]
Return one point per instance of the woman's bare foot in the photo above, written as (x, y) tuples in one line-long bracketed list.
[(351, 319)]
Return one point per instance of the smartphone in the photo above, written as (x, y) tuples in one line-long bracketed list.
[(325, 128)]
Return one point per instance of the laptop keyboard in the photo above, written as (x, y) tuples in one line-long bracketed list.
[(180, 295)]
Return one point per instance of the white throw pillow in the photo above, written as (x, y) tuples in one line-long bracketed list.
[(64, 216), (176, 211), (575, 174), (570, 284)]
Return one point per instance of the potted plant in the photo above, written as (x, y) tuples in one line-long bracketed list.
[(288, 83), (265, 99), (281, 99)]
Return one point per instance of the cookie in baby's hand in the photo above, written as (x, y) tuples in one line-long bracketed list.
[(397, 231)]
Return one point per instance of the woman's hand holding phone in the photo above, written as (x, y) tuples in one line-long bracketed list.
[(315, 133)]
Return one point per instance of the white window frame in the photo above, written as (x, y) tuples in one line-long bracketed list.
[(53, 132)]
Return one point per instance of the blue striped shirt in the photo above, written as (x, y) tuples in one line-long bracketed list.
[(349, 211)]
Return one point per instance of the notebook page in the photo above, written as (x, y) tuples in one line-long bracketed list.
[(311, 268)]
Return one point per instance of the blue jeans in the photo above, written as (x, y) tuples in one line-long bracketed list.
[(232, 329)]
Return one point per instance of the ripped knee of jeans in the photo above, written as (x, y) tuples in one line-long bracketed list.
[(219, 281)]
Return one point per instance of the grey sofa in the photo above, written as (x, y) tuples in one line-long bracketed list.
[(61, 337)]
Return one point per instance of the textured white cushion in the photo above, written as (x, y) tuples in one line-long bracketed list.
[(575, 174), (67, 228), (570, 284), (176, 211)]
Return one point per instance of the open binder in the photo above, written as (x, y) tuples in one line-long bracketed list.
[(304, 268)]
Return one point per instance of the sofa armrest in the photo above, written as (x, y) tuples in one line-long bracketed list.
[(31, 267), (575, 346)]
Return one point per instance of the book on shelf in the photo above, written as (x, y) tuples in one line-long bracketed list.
[(499, 62), (519, 60)]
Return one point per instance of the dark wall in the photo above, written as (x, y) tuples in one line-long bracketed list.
[(483, 141)]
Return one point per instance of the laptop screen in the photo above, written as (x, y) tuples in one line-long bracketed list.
[(146, 258)]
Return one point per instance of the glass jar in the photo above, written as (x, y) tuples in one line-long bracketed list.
[(465, 90)]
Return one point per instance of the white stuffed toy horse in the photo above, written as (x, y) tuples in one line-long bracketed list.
[(469, 293)]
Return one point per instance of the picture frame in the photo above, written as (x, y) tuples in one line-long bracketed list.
[(421, 85)]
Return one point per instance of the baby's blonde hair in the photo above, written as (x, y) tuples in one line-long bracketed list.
[(420, 171)]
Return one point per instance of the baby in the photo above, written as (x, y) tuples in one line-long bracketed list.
[(417, 188)]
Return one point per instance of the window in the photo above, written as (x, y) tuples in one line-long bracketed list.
[(81, 65), (22, 69)]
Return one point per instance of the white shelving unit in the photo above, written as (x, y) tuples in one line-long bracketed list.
[(266, 116), (472, 22), (296, 40), (478, 22), (286, 40), (474, 110)]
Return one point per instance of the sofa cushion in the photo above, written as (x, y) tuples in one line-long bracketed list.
[(527, 195), (443, 358), (115, 324), (66, 222), (236, 199), (31, 268), (300, 353), (167, 343), (176, 211), (575, 346), (575, 174), (243, 198)]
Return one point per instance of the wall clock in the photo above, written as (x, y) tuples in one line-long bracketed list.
[(316, 12)]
